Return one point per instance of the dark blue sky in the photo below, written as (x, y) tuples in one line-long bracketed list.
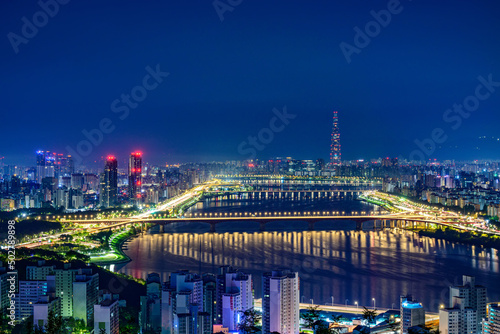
[(227, 76)]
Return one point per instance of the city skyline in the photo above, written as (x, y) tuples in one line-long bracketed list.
[(236, 167), (392, 92), (124, 161)]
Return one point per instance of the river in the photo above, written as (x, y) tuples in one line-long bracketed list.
[(334, 260)]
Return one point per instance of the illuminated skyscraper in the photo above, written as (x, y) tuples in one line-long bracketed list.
[(40, 166), (134, 176), (108, 191), (51, 164), (335, 152)]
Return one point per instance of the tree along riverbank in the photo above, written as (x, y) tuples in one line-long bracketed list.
[(465, 237)]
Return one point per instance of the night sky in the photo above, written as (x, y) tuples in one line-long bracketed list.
[(225, 78)]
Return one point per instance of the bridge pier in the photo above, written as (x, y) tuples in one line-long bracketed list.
[(162, 228), (310, 226), (359, 226)]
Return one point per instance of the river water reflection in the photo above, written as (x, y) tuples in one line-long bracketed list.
[(350, 266)]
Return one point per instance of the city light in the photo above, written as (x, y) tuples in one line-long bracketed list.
[(219, 168)]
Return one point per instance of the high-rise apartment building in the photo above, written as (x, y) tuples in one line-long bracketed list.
[(106, 316), (150, 314), (210, 297), (64, 289), (473, 296), (280, 302), (29, 294), (85, 296), (40, 272), (234, 296), (458, 319), (491, 324), (4, 288), (42, 309), (86, 289), (108, 190), (182, 305)]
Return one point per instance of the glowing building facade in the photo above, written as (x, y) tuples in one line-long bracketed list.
[(335, 148), (134, 176)]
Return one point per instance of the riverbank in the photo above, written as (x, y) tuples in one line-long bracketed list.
[(116, 255), (464, 237)]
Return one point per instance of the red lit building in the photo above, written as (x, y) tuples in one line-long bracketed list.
[(134, 176), (108, 190)]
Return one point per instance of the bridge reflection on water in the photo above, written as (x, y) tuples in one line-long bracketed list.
[(350, 266)]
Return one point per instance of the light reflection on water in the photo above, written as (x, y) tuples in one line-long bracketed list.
[(346, 264)]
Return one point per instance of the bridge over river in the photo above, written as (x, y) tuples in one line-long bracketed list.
[(407, 220), (291, 194)]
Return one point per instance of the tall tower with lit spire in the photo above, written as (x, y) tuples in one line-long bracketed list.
[(335, 152)]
